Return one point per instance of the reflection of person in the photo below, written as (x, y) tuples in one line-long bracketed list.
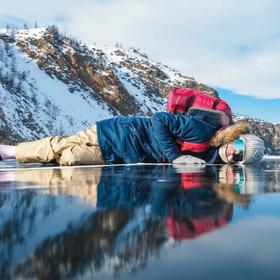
[(231, 182), (213, 191), (246, 180), (142, 139), (61, 181), (189, 202)]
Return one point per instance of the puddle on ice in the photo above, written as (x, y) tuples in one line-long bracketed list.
[(140, 221)]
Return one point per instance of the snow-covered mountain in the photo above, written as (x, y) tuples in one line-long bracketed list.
[(52, 84)]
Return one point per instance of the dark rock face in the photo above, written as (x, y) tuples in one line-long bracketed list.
[(127, 81)]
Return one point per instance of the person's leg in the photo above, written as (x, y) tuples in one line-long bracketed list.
[(36, 151), (81, 148), (80, 155), (7, 152)]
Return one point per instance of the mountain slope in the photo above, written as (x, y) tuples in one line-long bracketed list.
[(52, 84)]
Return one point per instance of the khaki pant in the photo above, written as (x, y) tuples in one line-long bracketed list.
[(81, 148)]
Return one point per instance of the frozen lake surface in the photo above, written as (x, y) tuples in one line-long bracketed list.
[(140, 222)]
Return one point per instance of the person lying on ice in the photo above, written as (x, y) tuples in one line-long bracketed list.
[(133, 139)]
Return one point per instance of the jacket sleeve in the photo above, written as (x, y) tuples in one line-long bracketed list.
[(166, 127)]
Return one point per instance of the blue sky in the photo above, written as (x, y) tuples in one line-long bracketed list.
[(265, 109), (233, 44)]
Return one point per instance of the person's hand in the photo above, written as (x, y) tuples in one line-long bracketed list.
[(187, 159)]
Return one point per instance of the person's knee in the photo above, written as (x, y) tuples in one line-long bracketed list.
[(81, 155), (69, 157)]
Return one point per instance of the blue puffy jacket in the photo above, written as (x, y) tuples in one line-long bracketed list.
[(126, 139)]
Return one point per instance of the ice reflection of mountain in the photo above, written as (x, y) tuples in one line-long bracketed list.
[(27, 218)]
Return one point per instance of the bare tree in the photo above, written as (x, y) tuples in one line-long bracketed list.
[(19, 86), (1, 54), (13, 64), (7, 48), (13, 33), (23, 75)]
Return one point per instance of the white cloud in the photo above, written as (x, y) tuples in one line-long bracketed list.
[(231, 44)]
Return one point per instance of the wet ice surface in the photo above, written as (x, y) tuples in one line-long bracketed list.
[(140, 222)]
